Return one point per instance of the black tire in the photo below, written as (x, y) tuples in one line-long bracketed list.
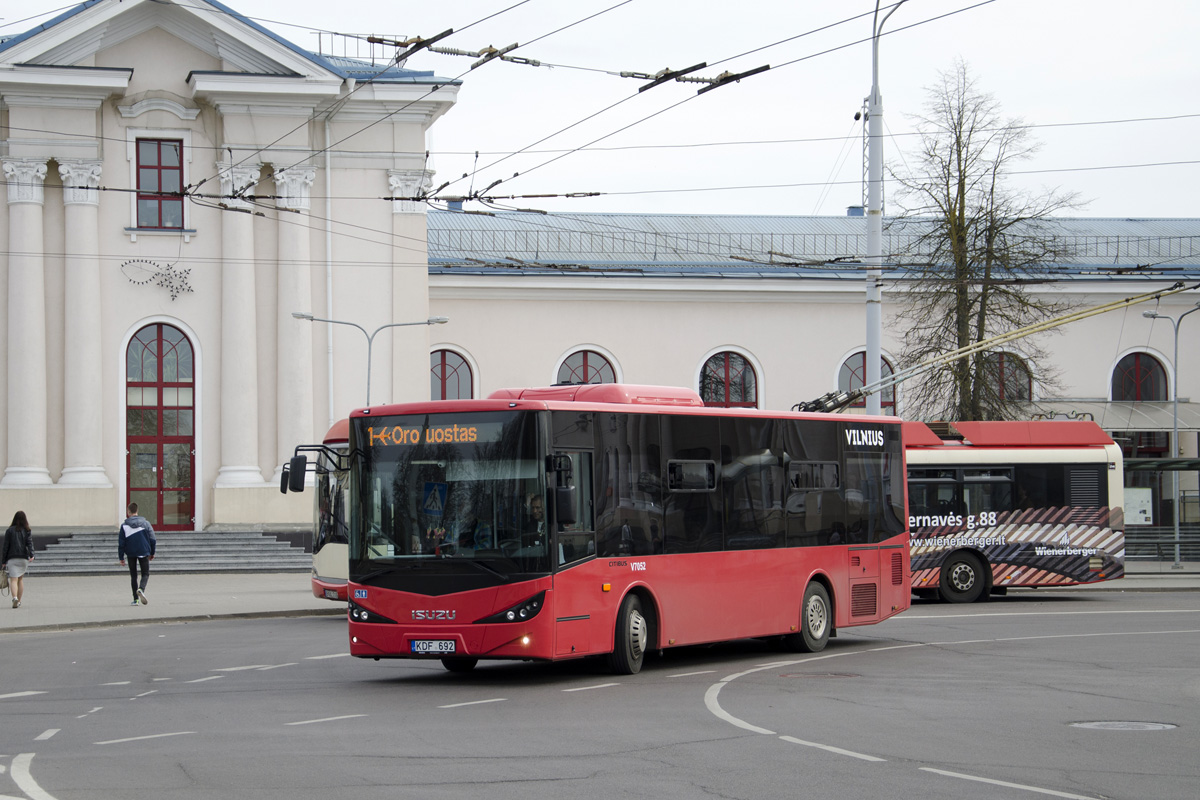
[(816, 621), (460, 664), (633, 638), (963, 580)]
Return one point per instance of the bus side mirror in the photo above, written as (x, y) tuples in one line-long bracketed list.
[(295, 473), (564, 505), (284, 478)]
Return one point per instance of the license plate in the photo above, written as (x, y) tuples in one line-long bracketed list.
[(432, 646), (331, 594)]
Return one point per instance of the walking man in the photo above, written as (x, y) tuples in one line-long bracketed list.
[(136, 540)]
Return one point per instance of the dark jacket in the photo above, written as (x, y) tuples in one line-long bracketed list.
[(17, 544), (136, 538)]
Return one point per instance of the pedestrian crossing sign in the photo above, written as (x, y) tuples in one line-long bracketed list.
[(434, 504)]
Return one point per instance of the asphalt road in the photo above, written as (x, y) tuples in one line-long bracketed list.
[(1042, 695)]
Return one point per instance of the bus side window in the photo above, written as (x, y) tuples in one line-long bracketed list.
[(577, 540)]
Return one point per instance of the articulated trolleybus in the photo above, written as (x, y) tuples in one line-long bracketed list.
[(609, 519), (998, 504)]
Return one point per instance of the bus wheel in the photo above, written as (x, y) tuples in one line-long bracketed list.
[(460, 664), (962, 579), (632, 638), (816, 622)]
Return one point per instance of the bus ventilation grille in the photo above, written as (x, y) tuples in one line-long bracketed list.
[(855, 561), (863, 597), (897, 569)]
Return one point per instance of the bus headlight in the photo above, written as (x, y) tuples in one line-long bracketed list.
[(527, 609)]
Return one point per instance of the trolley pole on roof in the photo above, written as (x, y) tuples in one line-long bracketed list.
[(871, 366)]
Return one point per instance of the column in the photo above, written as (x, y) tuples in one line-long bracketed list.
[(294, 375), (409, 366), (83, 463), (239, 333), (27, 392)]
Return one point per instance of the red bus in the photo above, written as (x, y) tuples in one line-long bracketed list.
[(994, 505), (608, 519)]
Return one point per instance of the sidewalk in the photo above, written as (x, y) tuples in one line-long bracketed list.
[(66, 602)]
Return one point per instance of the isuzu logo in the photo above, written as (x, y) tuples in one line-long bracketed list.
[(433, 614)]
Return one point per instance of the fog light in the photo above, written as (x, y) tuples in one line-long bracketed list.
[(525, 640)]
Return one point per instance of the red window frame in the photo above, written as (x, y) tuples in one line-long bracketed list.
[(1011, 372), (854, 369), (586, 366), (727, 375), (159, 208), (447, 368), (1139, 378)]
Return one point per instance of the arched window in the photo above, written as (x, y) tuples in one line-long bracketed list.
[(728, 381), (1010, 377), (586, 366), (853, 375), (1139, 378), (449, 376)]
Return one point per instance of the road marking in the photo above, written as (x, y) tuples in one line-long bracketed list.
[(476, 702), (276, 666), (690, 674), (239, 669), (207, 678), (117, 683), (93, 711), (46, 734), (25, 781), (907, 616), (1008, 785), (326, 719), (156, 680), (587, 688), (144, 694), (331, 655), (19, 694), (143, 738), (832, 749)]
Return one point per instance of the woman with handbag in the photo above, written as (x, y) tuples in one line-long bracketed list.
[(18, 552)]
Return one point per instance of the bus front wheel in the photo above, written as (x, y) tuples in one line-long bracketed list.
[(632, 638), (962, 579), (816, 621), (460, 664)]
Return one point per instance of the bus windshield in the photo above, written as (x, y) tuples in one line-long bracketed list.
[(436, 487)]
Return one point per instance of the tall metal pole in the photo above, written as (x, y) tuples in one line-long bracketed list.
[(1175, 321), (370, 336), (874, 353)]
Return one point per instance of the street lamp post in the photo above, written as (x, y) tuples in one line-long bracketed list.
[(1174, 420), (370, 336), (874, 356)]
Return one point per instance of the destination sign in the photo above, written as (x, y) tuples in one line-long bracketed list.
[(433, 434)]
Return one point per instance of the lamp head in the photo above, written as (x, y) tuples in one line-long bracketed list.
[(437, 320), (302, 315), (1150, 314)]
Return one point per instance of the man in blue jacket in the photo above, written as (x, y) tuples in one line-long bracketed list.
[(136, 540)]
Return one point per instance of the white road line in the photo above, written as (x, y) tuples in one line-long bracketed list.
[(143, 738), (907, 616), (44, 735), (144, 694), (93, 711), (19, 694), (25, 781), (156, 680), (476, 702), (276, 666), (331, 655), (326, 719), (239, 669), (690, 674), (832, 749), (1008, 785), (587, 688), (207, 678), (117, 683)]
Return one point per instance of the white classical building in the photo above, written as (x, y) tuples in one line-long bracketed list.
[(180, 180)]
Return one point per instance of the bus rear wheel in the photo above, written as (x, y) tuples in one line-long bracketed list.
[(632, 638), (460, 664), (962, 579), (816, 622)]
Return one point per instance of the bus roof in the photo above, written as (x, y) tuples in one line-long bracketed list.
[(622, 393), (1028, 433), (339, 433)]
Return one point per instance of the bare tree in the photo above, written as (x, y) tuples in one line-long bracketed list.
[(972, 248)]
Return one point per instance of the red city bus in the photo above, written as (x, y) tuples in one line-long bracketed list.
[(610, 519), (994, 505)]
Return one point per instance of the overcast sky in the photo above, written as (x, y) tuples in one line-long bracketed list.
[(1112, 87)]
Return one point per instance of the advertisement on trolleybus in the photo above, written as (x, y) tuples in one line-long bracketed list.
[(615, 520)]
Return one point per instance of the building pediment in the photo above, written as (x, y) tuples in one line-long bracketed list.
[(73, 39)]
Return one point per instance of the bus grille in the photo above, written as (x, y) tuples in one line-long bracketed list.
[(897, 569), (863, 597)]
